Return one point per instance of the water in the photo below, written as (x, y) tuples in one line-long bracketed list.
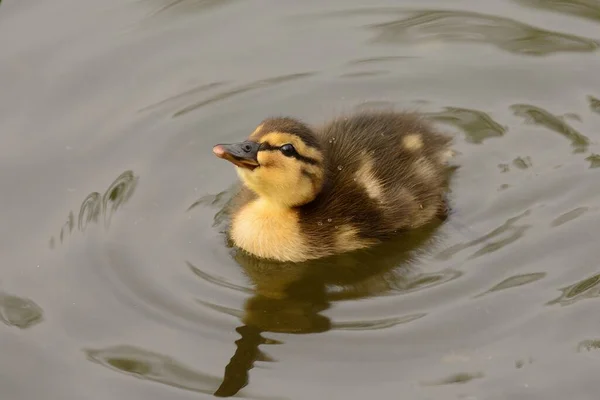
[(117, 281)]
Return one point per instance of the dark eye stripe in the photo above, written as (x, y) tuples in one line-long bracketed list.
[(268, 147)]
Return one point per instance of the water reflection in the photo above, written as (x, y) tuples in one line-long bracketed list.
[(516, 232), (585, 289), (514, 281), (290, 297), (522, 162), (521, 363), (19, 312), (148, 365), (594, 160), (456, 378), (476, 125), (594, 104), (247, 352), (589, 9), (465, 26), (568, 216), (538, 116), (213, 200), (518, 162), (96, 205), (588, 345)]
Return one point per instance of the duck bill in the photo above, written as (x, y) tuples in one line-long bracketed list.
[(243, 154)]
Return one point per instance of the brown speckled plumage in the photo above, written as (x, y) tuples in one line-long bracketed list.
[(383, 172)]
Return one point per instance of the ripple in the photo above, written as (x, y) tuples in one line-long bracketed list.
[(515, 281), (521, 363), (222, 201), (586, 289), (519, 162), (589, 9), (522, 162), (463, 377), (90, 210), (363, 74), (215, 280), (477, 125), (212, 200), (242, 89), (426, 281), (516, 232), (96, 204), (503, 168), (594, 160), (117, 194), (193, 91), (594, 104), (184, 7), (222, 309), (465, 26), (379, 60), (588, 345), (538, 116), (19, 312), (147, 365), (376, 324), (572, 116), (119, 266), (569, 216)]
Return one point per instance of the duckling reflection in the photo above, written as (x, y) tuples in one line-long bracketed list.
[(290, 297)]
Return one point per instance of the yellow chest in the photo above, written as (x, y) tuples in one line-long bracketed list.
[(270, 232)]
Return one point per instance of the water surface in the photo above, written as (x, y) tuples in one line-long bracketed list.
[(117, 281)]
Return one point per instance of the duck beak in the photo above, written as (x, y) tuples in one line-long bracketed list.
[(243, 154)]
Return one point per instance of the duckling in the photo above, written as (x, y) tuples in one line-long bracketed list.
[(351, 184)]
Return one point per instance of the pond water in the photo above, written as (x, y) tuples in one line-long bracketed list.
[(116, 279)]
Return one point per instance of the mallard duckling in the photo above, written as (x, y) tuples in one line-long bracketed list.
[(349, 185)]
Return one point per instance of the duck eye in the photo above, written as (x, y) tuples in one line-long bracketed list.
[(288, 150)]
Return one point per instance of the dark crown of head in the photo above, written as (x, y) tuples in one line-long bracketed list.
[(292, 126)]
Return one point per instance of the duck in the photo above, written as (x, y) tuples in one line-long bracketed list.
[(352, 183)]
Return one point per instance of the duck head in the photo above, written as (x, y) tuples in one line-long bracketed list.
[(282, 161)]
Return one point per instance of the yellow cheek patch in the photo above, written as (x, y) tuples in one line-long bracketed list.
[(268, 159), (412, 142), (281, 138)]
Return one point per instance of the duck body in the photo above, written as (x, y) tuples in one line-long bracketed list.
[(350, 184)]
